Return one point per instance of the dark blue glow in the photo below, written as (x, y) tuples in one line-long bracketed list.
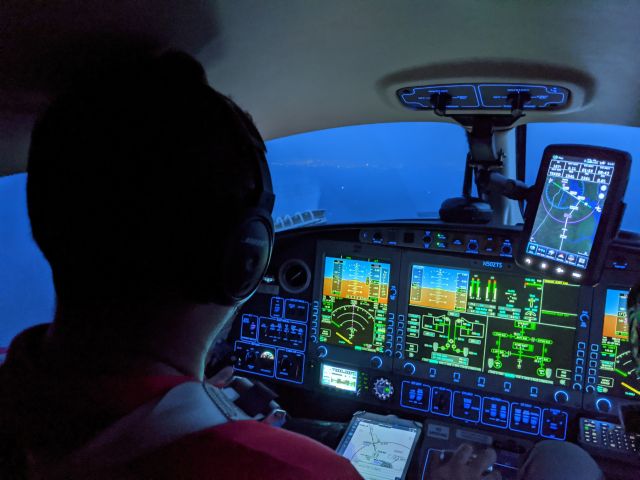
[(540, 135), (26, 288), (368, 172), (357, 174)]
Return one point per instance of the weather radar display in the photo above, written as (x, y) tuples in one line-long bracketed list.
[(570, 209), (355, 297)]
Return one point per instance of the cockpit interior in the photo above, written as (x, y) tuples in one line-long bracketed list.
[(468, 273)]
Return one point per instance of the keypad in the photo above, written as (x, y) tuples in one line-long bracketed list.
[(608, 435)]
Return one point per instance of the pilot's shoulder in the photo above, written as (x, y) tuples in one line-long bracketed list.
[(245, 449)]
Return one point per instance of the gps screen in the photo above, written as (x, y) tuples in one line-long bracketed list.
[(570, 209), (355, 295), (508, 325), (378, 450), (618, 375), (340, 378)]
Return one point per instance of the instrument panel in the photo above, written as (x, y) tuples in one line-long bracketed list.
[(441, 322)]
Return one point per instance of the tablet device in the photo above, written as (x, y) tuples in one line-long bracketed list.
[(380, 447), (574, 212)]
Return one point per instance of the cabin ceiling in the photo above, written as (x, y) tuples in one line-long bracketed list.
[(301, 65)]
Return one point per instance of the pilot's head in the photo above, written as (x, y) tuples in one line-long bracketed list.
[(147, 185)]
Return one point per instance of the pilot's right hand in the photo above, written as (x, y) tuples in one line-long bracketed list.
[(465, 464)]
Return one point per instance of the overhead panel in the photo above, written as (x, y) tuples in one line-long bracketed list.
[(484, 96)]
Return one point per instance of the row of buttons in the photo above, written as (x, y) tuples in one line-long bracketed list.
[(491, 411), (593, 366), (437, 240), (564, 257), (560, 395), (391, 320), (578, 370), (315, 319), (271, 331), (400, 337)]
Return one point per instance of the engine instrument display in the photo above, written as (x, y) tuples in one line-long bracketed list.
[(355, 295), (508, 325), (618, 375)]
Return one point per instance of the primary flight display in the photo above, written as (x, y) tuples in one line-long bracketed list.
[(355, 295), (509, 325), (618, 374)]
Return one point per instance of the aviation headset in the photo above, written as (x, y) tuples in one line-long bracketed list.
[(247, 253)]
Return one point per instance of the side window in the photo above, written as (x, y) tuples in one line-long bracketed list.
[(26, 288), (539, 135)]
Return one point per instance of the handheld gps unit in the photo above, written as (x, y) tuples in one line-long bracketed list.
[(576, 204)]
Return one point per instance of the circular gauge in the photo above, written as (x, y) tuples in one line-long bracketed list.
[(383, 389), (266, 359), (294, 276), (353, 323)]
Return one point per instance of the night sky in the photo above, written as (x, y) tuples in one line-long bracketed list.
[(363, 173)]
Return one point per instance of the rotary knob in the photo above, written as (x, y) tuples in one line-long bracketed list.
[(383, 389), (322, 351), (561, 396), (409, 368), (603, 405), (376, 362)]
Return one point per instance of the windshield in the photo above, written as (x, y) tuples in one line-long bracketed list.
[(366, 173), (539, 135)]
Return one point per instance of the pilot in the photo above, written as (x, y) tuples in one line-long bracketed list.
[(148, 194)]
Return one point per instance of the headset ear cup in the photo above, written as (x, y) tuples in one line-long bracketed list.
[(247, 256)]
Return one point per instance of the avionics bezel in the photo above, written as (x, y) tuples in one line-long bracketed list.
[(609, 220), (390, 421), (345, 355), (481, 381), (612, 280)]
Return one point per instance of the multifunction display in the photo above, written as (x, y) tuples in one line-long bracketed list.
[(570, 209), (355, 295), (618, 375), (514, 326)]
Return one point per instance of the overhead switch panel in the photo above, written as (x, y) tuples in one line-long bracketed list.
[(484, 96)]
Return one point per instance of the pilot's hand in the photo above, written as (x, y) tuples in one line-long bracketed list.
[(466, 465), (222, 378)]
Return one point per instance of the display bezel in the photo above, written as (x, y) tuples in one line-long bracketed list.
[(618, 281), (457, 377), (345, 354), (389, 420), (609, 220), (347, 391)]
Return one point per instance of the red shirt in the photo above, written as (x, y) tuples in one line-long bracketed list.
[(244, 449), (45, 413)]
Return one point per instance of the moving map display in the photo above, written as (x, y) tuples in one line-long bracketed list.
[(514, 326), (570, 209), (377, 450), (618, 375), (355, 296)]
